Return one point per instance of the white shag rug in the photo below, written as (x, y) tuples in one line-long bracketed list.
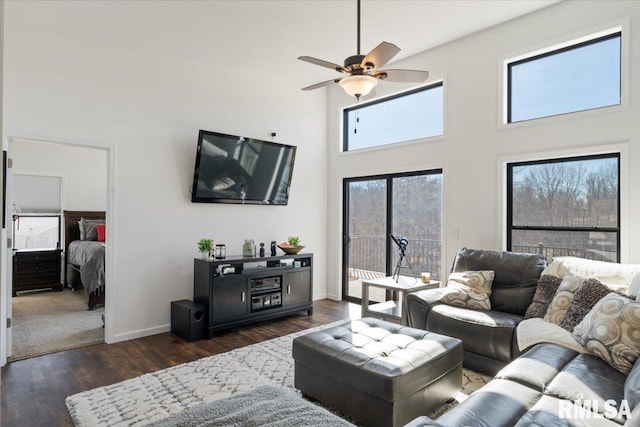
[(152, 397)]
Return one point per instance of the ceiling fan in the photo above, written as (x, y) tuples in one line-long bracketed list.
[(363, 70)]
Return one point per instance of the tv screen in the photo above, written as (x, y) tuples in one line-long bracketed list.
[(234, 169)]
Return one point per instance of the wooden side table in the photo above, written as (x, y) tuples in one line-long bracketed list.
[(392, 310)]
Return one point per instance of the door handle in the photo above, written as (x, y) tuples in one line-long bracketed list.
[(242, 297), (289, 289)]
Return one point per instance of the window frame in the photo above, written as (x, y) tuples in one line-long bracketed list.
[(347, 110), (621, 26), (509, 199), (16, 218), (389, 245)]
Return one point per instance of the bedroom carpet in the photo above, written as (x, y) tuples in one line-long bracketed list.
[(47, 322), (155, 396)]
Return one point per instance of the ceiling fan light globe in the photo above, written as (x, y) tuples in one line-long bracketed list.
[(358, 85)]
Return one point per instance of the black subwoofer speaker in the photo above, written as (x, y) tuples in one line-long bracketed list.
[(187, 319)]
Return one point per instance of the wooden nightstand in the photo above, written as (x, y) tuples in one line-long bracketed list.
[(36, 269)]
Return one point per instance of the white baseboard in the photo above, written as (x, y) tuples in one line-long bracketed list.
[(140, 333)]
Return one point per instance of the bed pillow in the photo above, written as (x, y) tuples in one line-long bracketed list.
[(101, 229), (88, 228), (562, 299), (586, 296), (545, 291), (469, 289), (611, 331)]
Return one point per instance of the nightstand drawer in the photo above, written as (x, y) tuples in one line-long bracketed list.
[(36, 270)]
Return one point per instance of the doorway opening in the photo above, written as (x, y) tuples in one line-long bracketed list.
[(51, 292)]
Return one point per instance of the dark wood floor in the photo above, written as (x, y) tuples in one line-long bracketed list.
[(33, 390)]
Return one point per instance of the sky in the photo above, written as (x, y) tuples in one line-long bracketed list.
[(576, 79)]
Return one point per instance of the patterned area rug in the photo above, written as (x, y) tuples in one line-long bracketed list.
[(152, 397)]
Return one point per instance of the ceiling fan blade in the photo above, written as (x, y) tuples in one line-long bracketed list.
[(321, 84), (322, 63), (402, 76), (380, 55)]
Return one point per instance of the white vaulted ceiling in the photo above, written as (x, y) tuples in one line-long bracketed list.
[(262, 34)]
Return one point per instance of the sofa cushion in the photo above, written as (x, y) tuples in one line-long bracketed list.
[(488, 333), (586, 296), (562, 299), (632, 385), (470, 289), (550, 411), (501, 403), (588, 378), (516, 276), (611, 331), (537, 367), (545, 291)]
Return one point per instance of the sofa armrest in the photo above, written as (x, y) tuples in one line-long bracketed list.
[(418, 304), (423, 421)]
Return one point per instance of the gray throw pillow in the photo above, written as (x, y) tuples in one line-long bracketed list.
[(611, 331), (586, 296), (562, 299), (469, 289), (88, 229), (545, 291)]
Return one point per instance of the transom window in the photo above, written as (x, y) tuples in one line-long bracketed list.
[(565, 207), (407, 116), (578, 77)]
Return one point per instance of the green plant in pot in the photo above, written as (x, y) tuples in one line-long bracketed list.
[(204, 247), (292, 245)]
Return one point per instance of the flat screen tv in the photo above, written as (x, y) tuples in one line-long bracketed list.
[(234, 169)]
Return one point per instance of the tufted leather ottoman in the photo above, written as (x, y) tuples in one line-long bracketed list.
[(376, 372)]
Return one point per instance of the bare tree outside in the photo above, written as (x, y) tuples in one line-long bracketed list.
[(415, 212), (581, 193)]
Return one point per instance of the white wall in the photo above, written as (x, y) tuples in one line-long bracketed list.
[(474, 145), (147, 109), (83, 171)]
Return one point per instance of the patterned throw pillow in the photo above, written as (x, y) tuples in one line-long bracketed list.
[(545, 291), (470, 289), (562, 299), (611, 331), (586, 296)]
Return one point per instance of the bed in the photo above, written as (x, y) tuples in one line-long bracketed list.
[(84, 259)]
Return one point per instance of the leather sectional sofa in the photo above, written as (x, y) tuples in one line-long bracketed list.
[(550, 385), (489, 336), (547, 385)]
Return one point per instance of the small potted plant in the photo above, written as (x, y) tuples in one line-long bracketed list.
[(204, 247), (292, 245)]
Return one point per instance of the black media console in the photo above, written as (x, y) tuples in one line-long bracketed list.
[(239, 290)]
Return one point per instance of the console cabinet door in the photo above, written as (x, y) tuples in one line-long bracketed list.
[(297, 287), (229, 297)]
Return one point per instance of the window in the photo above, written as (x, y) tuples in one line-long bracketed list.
[(578, 77), (36, 232), (404, 117), (565, 207), (407, 205)]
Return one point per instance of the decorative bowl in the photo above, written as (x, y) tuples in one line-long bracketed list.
[(290, 250)]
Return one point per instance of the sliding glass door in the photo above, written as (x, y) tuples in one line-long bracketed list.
[(406, 205)]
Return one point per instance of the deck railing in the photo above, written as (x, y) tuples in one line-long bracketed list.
[(549, 252), (369, 253)]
